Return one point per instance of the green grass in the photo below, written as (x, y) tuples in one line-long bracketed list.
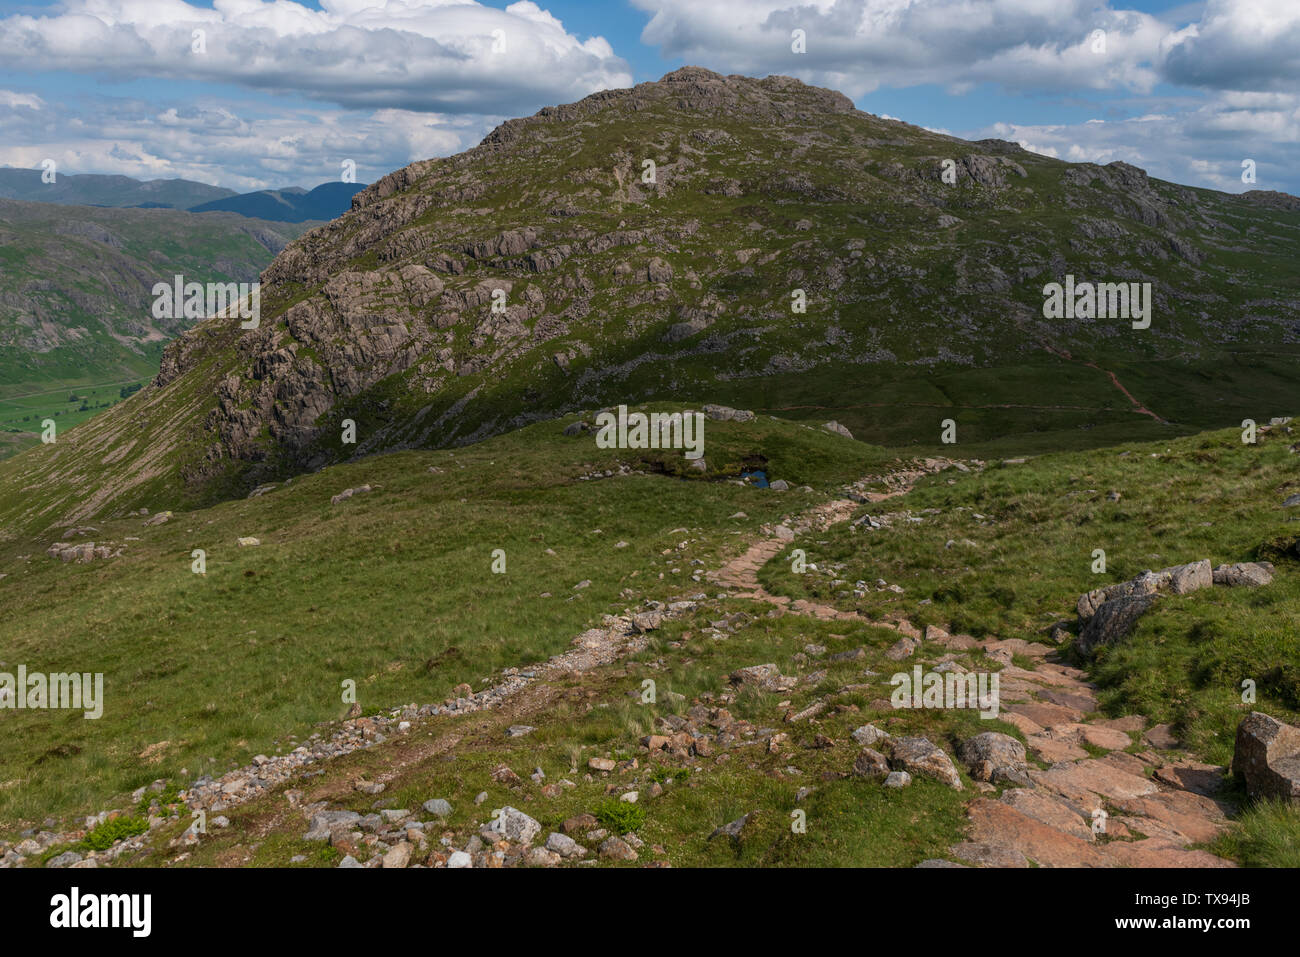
[(105, 835), (68, 403), (1267, 834), (1207, 496), (392, 590)]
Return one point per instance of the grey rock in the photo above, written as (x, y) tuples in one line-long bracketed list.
[(1247, 574), (438, 807), (920, 756), (1267, 757), (515, 825), (869, 734), (616, 849), (1114, 621), (992, 756), (564, 845), (731, 829), (871, 764)]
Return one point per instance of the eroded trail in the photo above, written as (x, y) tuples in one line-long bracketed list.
[(1113, 793)]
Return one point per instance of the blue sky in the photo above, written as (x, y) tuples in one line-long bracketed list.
[(281, 92)]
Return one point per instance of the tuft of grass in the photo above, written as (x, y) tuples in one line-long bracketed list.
[(1267, 834), (620, 817), (105, 835)]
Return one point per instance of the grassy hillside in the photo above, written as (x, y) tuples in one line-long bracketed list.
[(393, 588), (1009, 552), (75, 299)]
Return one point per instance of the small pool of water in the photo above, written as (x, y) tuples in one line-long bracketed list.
[(757, 477)]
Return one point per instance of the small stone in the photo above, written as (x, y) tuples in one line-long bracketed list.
[(438, 807), (399, 856), (564, 845), (616, 849)]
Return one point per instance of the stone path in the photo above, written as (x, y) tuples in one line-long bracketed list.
[(1116, 809), (1095, 804)]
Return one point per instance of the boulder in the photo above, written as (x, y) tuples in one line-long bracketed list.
[(438, 807), (920, 756), (1114, 620), (564, 845), (616, 849), (838, 429), (514, 825), (871, 764), (1190, 577), (994, 757), (722, 413), (869, 734), (768, 677), (1267, 757), (1248, 574)]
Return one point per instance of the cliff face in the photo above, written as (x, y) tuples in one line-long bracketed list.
[(657, 242)]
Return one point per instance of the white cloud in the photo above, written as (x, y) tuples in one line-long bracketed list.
[(1201, 147), (1025, 45), (1238, 45), (11, 100), (220, 144), (449, 56), (858, 45)]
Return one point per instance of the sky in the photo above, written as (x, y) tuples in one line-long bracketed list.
[(256, 94)]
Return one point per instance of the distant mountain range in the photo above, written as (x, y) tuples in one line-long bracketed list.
[(291, 205), (327, 201)]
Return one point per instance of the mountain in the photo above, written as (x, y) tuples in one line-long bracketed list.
[(327, 201), (93, 189), (542, 271), (291, 205), (76, 297)]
